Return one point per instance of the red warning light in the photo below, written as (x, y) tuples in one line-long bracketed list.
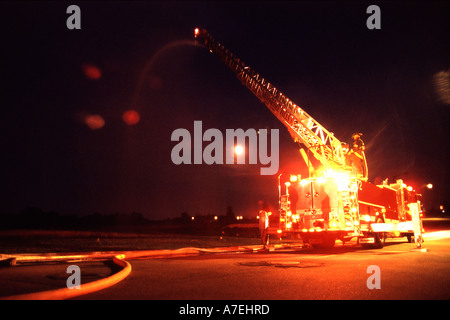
[(131, 117), (196, 32)]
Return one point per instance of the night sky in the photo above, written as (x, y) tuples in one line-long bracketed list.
[(66, 147)]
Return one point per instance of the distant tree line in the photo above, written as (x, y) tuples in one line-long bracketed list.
[(33, 218), (36, 218)]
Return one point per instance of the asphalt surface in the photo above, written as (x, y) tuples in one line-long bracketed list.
[(292, 274), (27, 278), (282, 274)]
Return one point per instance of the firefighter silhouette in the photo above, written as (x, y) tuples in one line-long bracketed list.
[(356, 157)]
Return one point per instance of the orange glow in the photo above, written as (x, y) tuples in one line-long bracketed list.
[(94, 121), (196, 32), (91, 71), (131, 117)]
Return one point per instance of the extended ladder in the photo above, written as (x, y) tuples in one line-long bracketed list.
[(325, 147)]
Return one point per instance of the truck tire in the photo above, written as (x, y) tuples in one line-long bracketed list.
[(380, 237)]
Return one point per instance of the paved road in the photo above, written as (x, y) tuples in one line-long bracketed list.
[(28, 278), (293, 273), (283, 274)]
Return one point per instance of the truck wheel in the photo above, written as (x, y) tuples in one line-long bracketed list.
[(380, 237), (380, 240)]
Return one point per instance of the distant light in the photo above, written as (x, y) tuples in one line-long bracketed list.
[(430, 186), (215, 217), (131, 117), (91, 71), (238, 150), (196, 32), (94, 121), (192, 218)]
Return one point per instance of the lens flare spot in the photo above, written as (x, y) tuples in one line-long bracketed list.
[(131, 117), (94, 121), (91, 71), (238, 150)]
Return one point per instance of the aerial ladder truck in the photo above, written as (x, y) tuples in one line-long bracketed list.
[(333, 202)]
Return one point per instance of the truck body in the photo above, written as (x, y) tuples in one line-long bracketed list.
[(335, 206)]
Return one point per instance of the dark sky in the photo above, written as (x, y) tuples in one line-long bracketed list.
[(391, 84)]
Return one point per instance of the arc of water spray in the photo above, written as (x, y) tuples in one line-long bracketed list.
[(151, 61)]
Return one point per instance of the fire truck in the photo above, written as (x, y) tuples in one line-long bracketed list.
[(334, 202)]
